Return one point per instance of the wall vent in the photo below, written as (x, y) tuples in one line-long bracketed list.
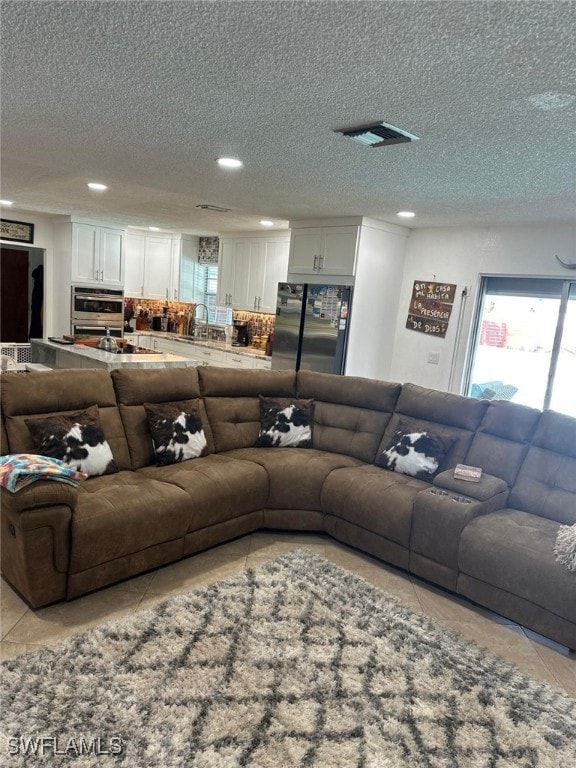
[(215, 208), (378, 135)]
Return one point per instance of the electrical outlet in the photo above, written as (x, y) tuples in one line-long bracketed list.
[(434, 358)]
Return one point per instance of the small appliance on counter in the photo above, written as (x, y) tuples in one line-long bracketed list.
[(241, 335)]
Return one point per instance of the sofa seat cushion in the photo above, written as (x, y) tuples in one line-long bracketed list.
[(119, 514), (296, 475), (219, 488), (376, 499), (514, 551)]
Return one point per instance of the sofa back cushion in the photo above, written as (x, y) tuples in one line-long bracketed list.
[(350, 413), (546, 483), (232, 401), (501, 443), (134, 388), (50, 393), (453, 418)]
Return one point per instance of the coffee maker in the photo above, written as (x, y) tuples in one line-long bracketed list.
[(241, 336)]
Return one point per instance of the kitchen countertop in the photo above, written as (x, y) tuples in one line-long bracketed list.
[(210, 344), (60, 356)]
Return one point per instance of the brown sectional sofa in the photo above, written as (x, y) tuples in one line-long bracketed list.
[(490, 541)]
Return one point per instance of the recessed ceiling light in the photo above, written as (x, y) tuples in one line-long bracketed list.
[(97, 187), (406, 214), (6, 202), (266, 223), (229, 162), (154, 229)]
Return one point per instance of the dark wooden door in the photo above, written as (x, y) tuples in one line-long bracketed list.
[(13, 295)]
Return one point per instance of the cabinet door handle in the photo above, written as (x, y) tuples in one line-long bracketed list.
[(166, 292), (259, 301), (141, 290), (175, 293), (320, 263), (315, 260), (255, 301), (102, 275)]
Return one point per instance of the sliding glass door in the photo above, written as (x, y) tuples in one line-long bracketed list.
[(524, 346)]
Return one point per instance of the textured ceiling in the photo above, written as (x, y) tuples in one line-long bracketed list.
[(143, 96)]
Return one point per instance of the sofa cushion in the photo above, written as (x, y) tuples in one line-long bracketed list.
[(155, 385), (177, 431), (375, 499), (285, 422), (117, 515), (350, 412), (75, 439), (218, 488), (295, 477), (47, 393), (414, 452), (232, 400), (514, 551), (500, 444)]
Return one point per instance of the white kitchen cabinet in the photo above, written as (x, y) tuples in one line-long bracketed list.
[(188, 265), (249, 270), (134, 268), (323, 252), (97, 254), (153, 266)]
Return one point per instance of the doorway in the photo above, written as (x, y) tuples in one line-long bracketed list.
[(524, 343), (21, 294)]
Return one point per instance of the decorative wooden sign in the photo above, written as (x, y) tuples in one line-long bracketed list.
[(17, 231), (431, 307)]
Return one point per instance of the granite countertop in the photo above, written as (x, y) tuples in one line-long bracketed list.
[(112, 359), (210, 344)]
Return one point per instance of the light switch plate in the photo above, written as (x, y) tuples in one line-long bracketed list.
[(434, 358)]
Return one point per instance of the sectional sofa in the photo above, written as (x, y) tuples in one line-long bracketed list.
[(491, 541)]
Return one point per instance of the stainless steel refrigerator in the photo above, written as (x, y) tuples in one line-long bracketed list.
[(311, 327)]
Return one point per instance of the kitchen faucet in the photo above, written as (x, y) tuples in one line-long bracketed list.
[(192, 328)]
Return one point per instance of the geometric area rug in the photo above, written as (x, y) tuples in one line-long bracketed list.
[(294, 663)]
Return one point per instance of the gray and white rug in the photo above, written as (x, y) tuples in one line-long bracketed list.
[(295, 663)]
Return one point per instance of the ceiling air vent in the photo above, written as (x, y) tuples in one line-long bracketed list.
[(215, 208), (379, 135)]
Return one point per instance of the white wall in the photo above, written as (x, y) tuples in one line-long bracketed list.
[(379, 271), (43, 238), (461, 256)]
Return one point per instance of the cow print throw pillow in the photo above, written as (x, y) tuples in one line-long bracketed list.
[(415, 451), (76, 439), (177, 431), (285, 422)]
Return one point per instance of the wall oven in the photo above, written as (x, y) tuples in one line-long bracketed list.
[(95, 309)]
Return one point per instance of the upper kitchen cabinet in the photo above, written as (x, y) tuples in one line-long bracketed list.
[(155, 266), (318, 254), (250, 267), (95, 254)]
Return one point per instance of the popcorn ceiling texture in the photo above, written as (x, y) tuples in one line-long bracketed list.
[(145, 96)]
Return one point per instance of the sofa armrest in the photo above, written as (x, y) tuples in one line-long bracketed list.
[(38, 495), (488, 486), (35, 525)]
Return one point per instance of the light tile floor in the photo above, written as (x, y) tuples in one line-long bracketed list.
[(23, 630)]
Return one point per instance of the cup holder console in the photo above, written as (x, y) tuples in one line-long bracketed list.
[(442, 492)]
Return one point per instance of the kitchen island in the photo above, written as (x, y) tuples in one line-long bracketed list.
[(55, 355)]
